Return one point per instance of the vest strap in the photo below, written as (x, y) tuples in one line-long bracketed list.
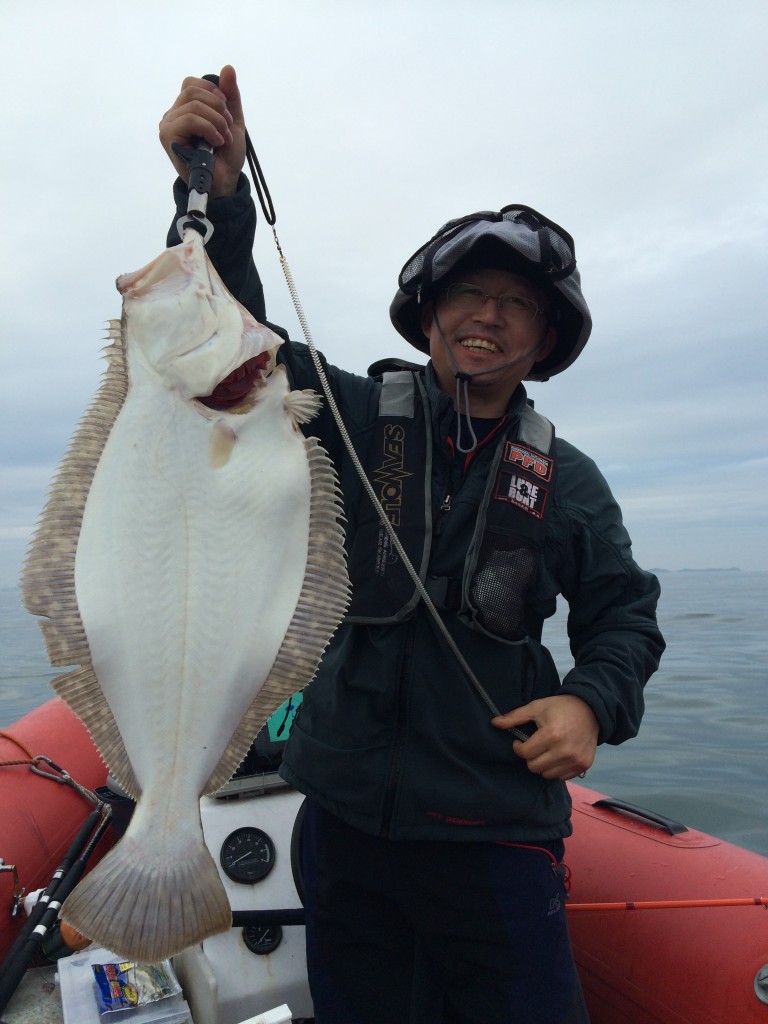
[(504, 557), (399, 466)]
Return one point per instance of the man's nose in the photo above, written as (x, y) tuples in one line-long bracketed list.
[(490, 311)]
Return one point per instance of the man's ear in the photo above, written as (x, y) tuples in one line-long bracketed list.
[(548, 342), (427, 316)]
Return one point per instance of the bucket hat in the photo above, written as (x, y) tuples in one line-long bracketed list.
[(518, 239)]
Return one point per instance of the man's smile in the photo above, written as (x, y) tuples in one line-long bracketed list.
[(479, 344)]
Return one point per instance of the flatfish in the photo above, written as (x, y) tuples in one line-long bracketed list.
[(189, 562)]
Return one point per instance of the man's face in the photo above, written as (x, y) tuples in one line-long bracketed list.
[(487, 336)]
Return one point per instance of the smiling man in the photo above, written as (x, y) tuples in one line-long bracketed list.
[(490, 327), (433, 840)]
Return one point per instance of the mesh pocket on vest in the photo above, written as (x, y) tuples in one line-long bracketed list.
[(506, 570)]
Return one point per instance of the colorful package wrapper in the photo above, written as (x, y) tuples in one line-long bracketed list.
[(120, 986)]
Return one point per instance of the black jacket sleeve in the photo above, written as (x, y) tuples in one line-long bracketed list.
[(612, 627)]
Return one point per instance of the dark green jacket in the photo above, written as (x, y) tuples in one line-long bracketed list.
[(391, 736)]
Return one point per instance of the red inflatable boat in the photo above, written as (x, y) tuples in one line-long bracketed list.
[(692, 946), (669, 925), (41, 813)]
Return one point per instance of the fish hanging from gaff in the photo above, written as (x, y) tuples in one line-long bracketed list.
[(190, 560)]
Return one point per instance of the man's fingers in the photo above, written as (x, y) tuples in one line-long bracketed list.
[(229, 87)]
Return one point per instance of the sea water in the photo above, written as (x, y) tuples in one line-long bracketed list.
[(702, 752)]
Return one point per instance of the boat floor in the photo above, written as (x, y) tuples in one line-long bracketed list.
[(37, 1000)]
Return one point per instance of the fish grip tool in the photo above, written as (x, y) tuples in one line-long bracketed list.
[(268, 210), (200, 159)]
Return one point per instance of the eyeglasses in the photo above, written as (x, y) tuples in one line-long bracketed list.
[(472, 298)]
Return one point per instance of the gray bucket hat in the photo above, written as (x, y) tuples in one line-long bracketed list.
[(517, 239)]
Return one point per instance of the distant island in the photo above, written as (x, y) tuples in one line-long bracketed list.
[(732, 568)]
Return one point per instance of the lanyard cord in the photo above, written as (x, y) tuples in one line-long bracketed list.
[(260, 184), (517, 733), (268, 210)]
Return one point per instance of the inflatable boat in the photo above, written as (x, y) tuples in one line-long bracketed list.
[(669, 925)]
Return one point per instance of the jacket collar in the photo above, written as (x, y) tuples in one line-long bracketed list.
[(444, 413)]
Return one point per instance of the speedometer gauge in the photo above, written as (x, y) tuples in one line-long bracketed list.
[(247, 855)]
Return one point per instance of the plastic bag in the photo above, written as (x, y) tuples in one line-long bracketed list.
[(120, 986)]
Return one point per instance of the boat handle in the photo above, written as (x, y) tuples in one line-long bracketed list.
[(243, 918), (668, 825)]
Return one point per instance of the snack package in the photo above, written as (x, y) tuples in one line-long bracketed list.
[(120, 986)]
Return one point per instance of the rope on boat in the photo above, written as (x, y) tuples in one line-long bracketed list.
[(24, 747), (54, 772), (755, 901)]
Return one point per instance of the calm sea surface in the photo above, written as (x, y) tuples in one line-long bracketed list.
[(702, 753)]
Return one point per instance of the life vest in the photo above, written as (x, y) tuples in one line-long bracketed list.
[(504, 556)]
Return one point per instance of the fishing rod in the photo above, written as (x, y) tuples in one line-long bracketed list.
[(50, 890), (39, 924)]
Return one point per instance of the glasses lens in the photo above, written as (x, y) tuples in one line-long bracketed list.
[(472, 297), (468, 296), (518, 306)]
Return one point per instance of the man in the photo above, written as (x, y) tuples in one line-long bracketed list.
[(433, 839)]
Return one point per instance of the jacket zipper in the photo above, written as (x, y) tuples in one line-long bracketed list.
[(445, 508), (456, 480)]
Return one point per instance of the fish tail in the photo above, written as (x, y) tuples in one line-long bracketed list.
[(147, 908)]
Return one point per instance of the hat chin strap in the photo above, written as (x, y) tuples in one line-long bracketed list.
[(464, 378)]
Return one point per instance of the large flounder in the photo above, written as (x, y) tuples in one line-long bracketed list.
[(190, 561)]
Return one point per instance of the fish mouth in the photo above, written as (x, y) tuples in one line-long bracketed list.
[(237, 384)]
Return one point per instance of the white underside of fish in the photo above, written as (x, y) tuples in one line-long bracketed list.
[(209, 576)]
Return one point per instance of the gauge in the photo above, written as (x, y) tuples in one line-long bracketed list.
[(247, 855), (262, 938)]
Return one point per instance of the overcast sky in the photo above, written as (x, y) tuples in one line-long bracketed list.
[(640, 127)]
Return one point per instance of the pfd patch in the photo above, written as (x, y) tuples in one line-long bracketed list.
[(528, 460)]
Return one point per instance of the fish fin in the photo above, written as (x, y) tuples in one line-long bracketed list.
[(48, 578), (146, 908), (322, 604), (302, 406), (223, 440), (81, 691)]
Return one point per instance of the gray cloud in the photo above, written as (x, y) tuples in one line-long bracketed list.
[(642, 129)]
